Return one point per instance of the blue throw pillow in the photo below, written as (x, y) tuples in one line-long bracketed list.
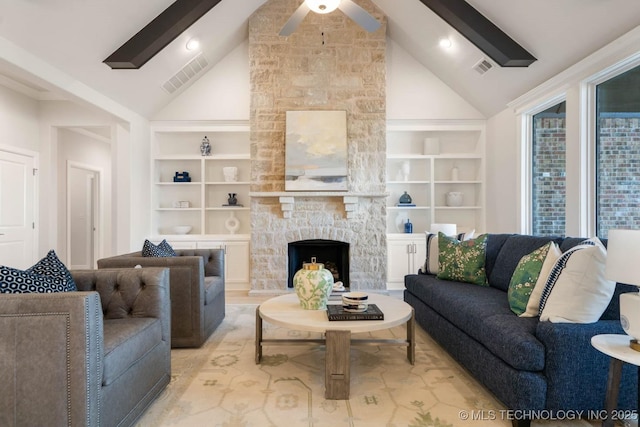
[(164, 249), (14, 281), (51, 266)]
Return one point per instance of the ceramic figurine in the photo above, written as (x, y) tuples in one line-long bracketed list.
[(205, 147)]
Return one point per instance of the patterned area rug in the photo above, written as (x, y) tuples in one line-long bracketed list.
[(220, 384)]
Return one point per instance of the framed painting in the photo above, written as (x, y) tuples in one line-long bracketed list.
[(316, 151)]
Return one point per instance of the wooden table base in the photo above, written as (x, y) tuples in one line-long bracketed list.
[(337, 377)]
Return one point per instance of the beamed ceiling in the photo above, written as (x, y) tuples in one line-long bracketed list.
[(527, 41)]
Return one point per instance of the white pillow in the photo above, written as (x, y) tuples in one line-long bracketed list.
[(431, 265), (577, 291), (533, 305)]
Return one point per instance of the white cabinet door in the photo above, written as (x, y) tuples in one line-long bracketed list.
[(236, 262), (181, 244), (405, 255), (237, 265), (398, 263)]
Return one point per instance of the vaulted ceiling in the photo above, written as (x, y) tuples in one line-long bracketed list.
[(75, 36)]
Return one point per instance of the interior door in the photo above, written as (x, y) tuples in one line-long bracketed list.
[(82, 221), (17, 210)]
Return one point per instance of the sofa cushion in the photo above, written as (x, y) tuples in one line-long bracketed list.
[(126, 341), (533, 305), (52, 267), (163, 249), (462, 261), (213, 285), (484, 314), (525, 277), (14, 281), (431, 262), (513, 249), (577, 290)]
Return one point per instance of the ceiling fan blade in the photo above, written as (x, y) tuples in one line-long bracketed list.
[(359, 15), (295, 19)]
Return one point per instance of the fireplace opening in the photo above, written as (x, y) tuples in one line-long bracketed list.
[(332, 253)]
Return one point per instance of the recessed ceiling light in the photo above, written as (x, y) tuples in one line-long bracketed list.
[(445, 43), (323, 6), (193, 44)]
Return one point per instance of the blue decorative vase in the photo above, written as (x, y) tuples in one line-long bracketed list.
[(405, 198)]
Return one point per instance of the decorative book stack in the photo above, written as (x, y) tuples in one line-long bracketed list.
[(337, 312)]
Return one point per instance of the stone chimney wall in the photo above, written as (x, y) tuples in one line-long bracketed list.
[(328, 63)]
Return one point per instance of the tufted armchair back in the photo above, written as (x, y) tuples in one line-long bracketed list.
[(129, 293)]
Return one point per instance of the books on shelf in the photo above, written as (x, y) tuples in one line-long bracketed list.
[(336, 312), (405, 205)]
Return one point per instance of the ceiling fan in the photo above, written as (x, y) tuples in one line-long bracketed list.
[(348, 7)]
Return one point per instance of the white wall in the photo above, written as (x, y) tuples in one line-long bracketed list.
[(19, 124), (414, 92), (223, 93), (502, 169)]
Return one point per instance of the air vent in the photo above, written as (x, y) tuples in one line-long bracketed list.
[(482, 66), (186, 73)]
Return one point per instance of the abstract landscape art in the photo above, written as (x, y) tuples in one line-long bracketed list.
[(316, 151)]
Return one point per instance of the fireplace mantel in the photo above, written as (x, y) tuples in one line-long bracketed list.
[(288, 199)]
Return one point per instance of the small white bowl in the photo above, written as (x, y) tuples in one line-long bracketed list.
[(182, 229), (355, 299)]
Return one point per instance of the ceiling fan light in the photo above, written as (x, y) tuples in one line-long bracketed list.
[(323, 6)]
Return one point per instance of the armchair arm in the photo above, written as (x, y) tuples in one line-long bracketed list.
[(51, 351), (130, 292)]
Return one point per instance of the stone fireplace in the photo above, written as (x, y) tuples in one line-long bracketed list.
[(328, 63)]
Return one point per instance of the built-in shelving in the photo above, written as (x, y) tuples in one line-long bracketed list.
[(421, 157)]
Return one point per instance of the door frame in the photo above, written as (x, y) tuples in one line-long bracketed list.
[(35, 156), (98, 204)]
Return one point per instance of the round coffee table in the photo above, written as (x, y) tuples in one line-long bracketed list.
[(285, 311)]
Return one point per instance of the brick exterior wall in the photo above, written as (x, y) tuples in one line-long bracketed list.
[(549, 166), (618, 173), (328, 63)]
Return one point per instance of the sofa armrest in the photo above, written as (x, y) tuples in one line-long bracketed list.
[(576, 372), (51, 352), (130, 292)]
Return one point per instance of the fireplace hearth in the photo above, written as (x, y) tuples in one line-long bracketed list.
[(332, 253)]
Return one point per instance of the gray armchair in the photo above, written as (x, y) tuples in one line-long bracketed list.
[(96, 357), (197, 290)]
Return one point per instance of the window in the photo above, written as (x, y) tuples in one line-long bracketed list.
[(618, 153), (548, 171)]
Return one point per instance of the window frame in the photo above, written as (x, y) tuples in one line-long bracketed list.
[(526, 159), (589, 121)]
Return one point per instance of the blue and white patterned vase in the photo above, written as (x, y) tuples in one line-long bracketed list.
[(313, 285)]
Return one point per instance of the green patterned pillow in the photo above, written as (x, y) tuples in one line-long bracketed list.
[(524, 278), (462, 261)]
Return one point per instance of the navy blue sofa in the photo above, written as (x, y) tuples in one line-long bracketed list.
[(527, 364)]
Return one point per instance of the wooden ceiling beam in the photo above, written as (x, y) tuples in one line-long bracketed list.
[(157, 34), (481, 32)]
